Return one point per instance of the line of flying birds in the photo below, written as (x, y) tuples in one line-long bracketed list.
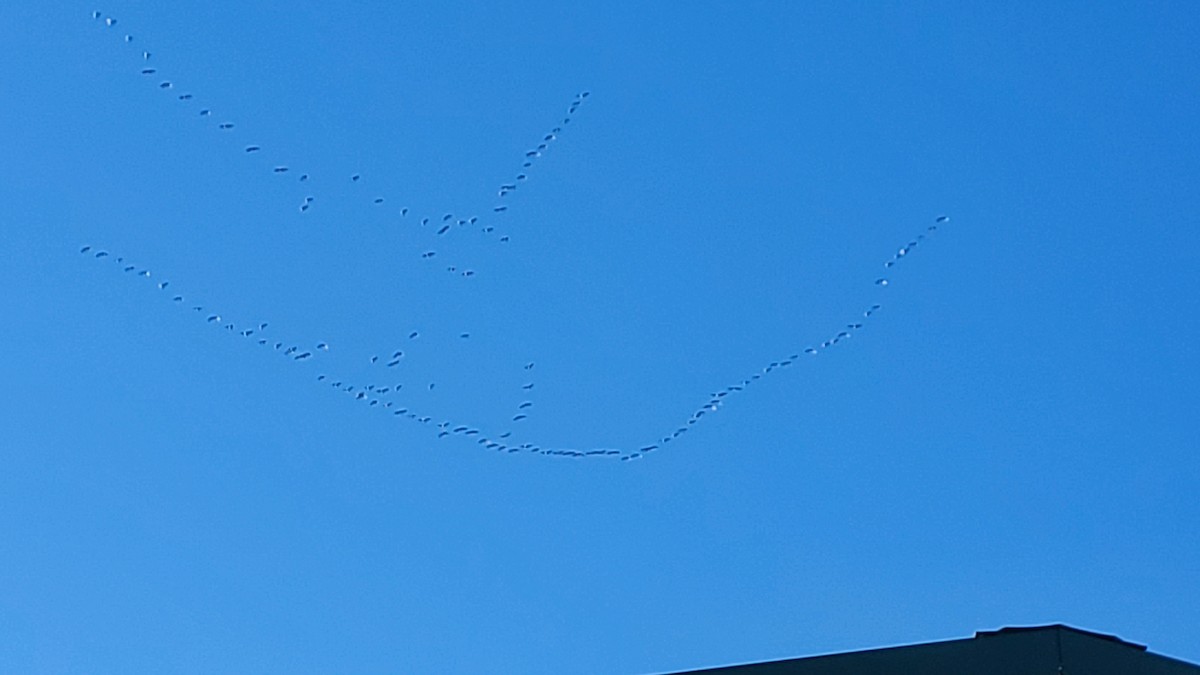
[(386, 396), (383, 396), (443, 224)]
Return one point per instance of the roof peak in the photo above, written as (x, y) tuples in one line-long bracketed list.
[(1056, 626)]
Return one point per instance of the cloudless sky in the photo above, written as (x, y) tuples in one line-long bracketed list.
[(1009, 440)]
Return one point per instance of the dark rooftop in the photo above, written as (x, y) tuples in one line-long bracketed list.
[(1033, 650)]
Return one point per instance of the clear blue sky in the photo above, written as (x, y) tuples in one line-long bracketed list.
[(1009, 440)]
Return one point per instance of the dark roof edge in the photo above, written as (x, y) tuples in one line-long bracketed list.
[(1008, 630), (786, 659), (1057, 626), (826, 655)]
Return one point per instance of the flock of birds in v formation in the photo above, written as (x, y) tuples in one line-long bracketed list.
[(439, 225), (392, 397)]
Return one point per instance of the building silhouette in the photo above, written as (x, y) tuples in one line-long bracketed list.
[(1037, 650)]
